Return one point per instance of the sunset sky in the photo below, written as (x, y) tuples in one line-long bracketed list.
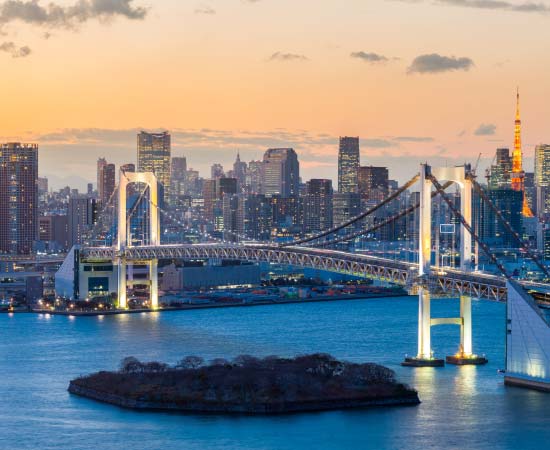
[(416, 80)]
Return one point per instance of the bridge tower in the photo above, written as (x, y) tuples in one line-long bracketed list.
[(150, 180), (425, 357)]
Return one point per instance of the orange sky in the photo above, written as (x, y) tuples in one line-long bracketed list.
[(187, 71)]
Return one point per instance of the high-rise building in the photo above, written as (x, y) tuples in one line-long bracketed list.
[(345, 205), (239, 172), (499, 173), (179, 170), (101, 163), (82, 215), (258, 216), (216, 171), (318, 205), (154, 155), (373, 183), (254, 176), (42, 185), (542, 179), (348, 164), (233, 206), (517, 176), (108, 183), (18, 197), (509, 203), (54, 232), (281, 172)]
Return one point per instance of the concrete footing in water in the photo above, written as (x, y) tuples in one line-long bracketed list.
[(418, 362), (473, 360)]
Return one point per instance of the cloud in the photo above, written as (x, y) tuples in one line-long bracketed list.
[(279, 56), (14, 50), (498, 5), (377, 143), (495, 5), (435, 63), (205, 10), (54, 15), (485, 130), (369, 57), (413, 139)]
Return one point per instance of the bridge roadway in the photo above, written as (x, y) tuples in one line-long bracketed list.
[(443, 282)]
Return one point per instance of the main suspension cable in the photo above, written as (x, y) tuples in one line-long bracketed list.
[(466, 225), (479, 189), (359, 233), (355, 219)]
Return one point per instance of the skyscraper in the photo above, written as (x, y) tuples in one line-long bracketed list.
[(281, 172), (154, 155), (108, 182), (101, 163), (348, 164), (18, 197), (82, 215), (499, 173), (216, 171), (318, 205), (372, 183), (542, 178), (518, 175), (177, 180), (239, 172)]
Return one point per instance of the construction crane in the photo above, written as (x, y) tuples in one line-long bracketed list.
[(474, 170)]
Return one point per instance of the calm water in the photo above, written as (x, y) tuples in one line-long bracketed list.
[(464, 407)]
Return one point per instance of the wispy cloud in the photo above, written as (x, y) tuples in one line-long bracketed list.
[(14, 50), (413, 139), (485, 129), (280, 56), (370, 57), (435, 63), (495, 5), (205, 9)]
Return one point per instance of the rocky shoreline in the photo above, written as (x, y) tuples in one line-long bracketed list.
[(261, 408)]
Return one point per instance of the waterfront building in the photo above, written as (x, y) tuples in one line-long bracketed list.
[(18, 197), (281, 172), (154, 155), (348, 164)]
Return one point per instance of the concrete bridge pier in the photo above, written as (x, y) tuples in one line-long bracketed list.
[(122, 285), (153, 279), (465, 355)]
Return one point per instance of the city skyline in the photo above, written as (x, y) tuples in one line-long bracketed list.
[(219, 94)]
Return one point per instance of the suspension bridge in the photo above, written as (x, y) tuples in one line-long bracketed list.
[(319, 251)]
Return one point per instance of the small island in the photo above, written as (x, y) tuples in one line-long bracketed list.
[(246, 385)]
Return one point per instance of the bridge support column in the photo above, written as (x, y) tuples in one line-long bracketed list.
[(424, 358), (122, 285), (465, 355), (153, 277)]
